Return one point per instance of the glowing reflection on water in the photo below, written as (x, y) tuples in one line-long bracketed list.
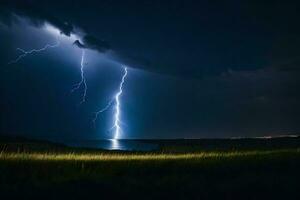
[(114, 144)]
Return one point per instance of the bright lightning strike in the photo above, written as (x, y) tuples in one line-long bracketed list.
[(82, 82), (117, 108), (33, 51)]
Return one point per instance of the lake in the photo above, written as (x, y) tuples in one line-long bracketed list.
[(113, 144)]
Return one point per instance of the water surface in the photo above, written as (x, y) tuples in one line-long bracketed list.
[(112, 144)]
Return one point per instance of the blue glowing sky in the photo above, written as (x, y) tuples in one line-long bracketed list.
[(223, 79)]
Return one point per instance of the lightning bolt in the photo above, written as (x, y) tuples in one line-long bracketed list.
[(117, 108), (102, 110), (82, 82), (116, 126), (25, 53)]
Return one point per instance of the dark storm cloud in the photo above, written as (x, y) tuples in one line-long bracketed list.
[(38, 17), (90, 42), (182, 38), (79, 44), (35, 15), (291, 64)]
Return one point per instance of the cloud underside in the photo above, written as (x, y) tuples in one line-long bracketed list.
[(185, 58), (39, 18)]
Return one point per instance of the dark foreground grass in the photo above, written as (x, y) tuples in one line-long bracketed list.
[(263, 174)]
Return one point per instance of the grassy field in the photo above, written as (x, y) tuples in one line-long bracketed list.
[(63, 172)]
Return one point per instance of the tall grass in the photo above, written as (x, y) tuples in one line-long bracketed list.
[(254, 174), (78, 156)]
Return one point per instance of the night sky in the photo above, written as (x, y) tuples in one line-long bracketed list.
[(196, 69)]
